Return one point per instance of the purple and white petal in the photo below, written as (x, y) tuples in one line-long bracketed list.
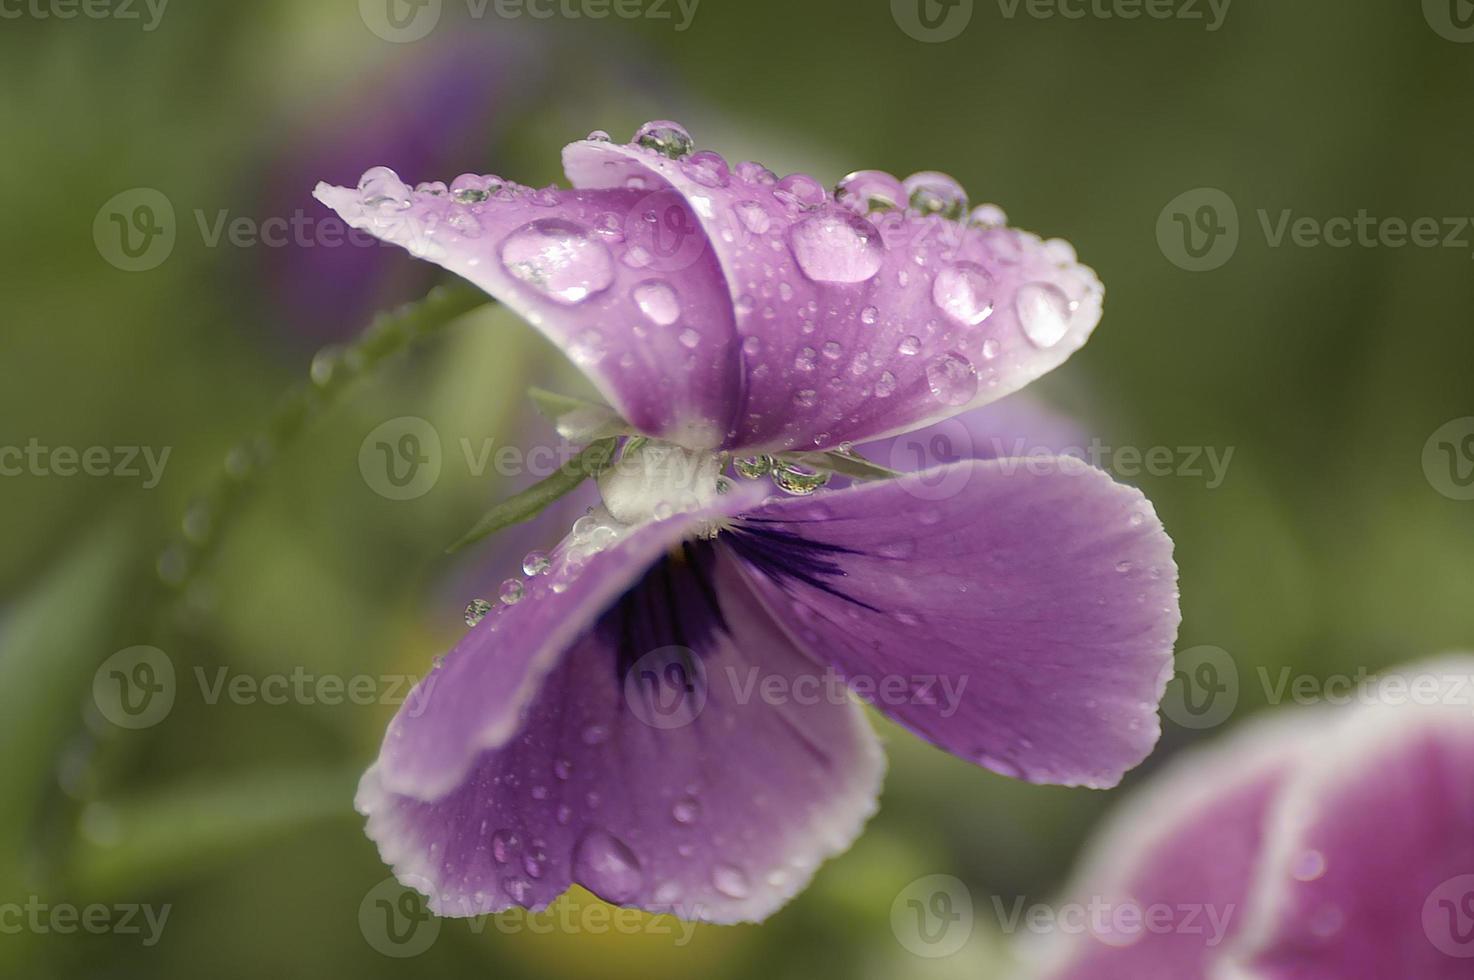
[(857, 323), (1016, 427), (1020, 616), (1164, 884), (476, 696), (662, 350), (1369, 867), (663, 782)]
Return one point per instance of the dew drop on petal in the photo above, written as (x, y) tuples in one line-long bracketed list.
[(752, 467), (837, 247), (666, 138), (909, 346), (535, 563), (512, 591), (657, 300), (930, 192), (952, 379), (559, 259), (708, 168), (798, 481), (990, 348), (868, 191), (885, 385), (1043, 313), (605, 865), (988, 216), (756, 173), (476, 611), (964, 292), (504, 844), (800, 192), (381, 188), (730, 880), (753, 217), (686, 810)]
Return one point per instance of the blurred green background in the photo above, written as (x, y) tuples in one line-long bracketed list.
[(1331, 545)]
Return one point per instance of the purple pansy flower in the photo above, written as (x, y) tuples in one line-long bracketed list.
[(661, 713), (1317, 843)]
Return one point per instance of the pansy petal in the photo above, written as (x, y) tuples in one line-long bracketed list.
[(857, 326), (475, 697), (686, 794), (1020, 615), (1019, 426), (1165, 882), (1369, 869), (661, 350)]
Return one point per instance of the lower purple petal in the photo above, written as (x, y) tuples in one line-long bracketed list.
[(1020, 615), (662, 785)]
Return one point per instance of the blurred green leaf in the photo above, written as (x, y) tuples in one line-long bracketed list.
[(138, 844), (532, 501)]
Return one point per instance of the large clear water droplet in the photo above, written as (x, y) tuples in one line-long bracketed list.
[(559, 259), (666, 138), (868, 191), (930, 192), (800, 192), (837, 246), (709, 169), (381, 188), (952, 379), (604, 864), (535, 563), (799, 481), (964, 292), (512, 591), (657, 300), (1043, 313)]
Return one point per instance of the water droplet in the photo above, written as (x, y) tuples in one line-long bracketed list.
[(869, 191), (964, 292), (800, 192), (605, 865), (837, 247), (512, 591), (504, 844), (559, 259), (990, 348), (690, 338), (756, 173), (536, 563), (909, 346), (930, 192), (709, 169), (666, 138), (1309, 866), (381, 188), (805, 397), (988, 216), (752, 467), (599, 136), (730, 881), (753, 217), (952, 379), (464, 224), (1043, 313), (657, 300), (833, 349), (471, 189), (799, 481), (752, 346), (476, 611), (885, 385), (686, 810)]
